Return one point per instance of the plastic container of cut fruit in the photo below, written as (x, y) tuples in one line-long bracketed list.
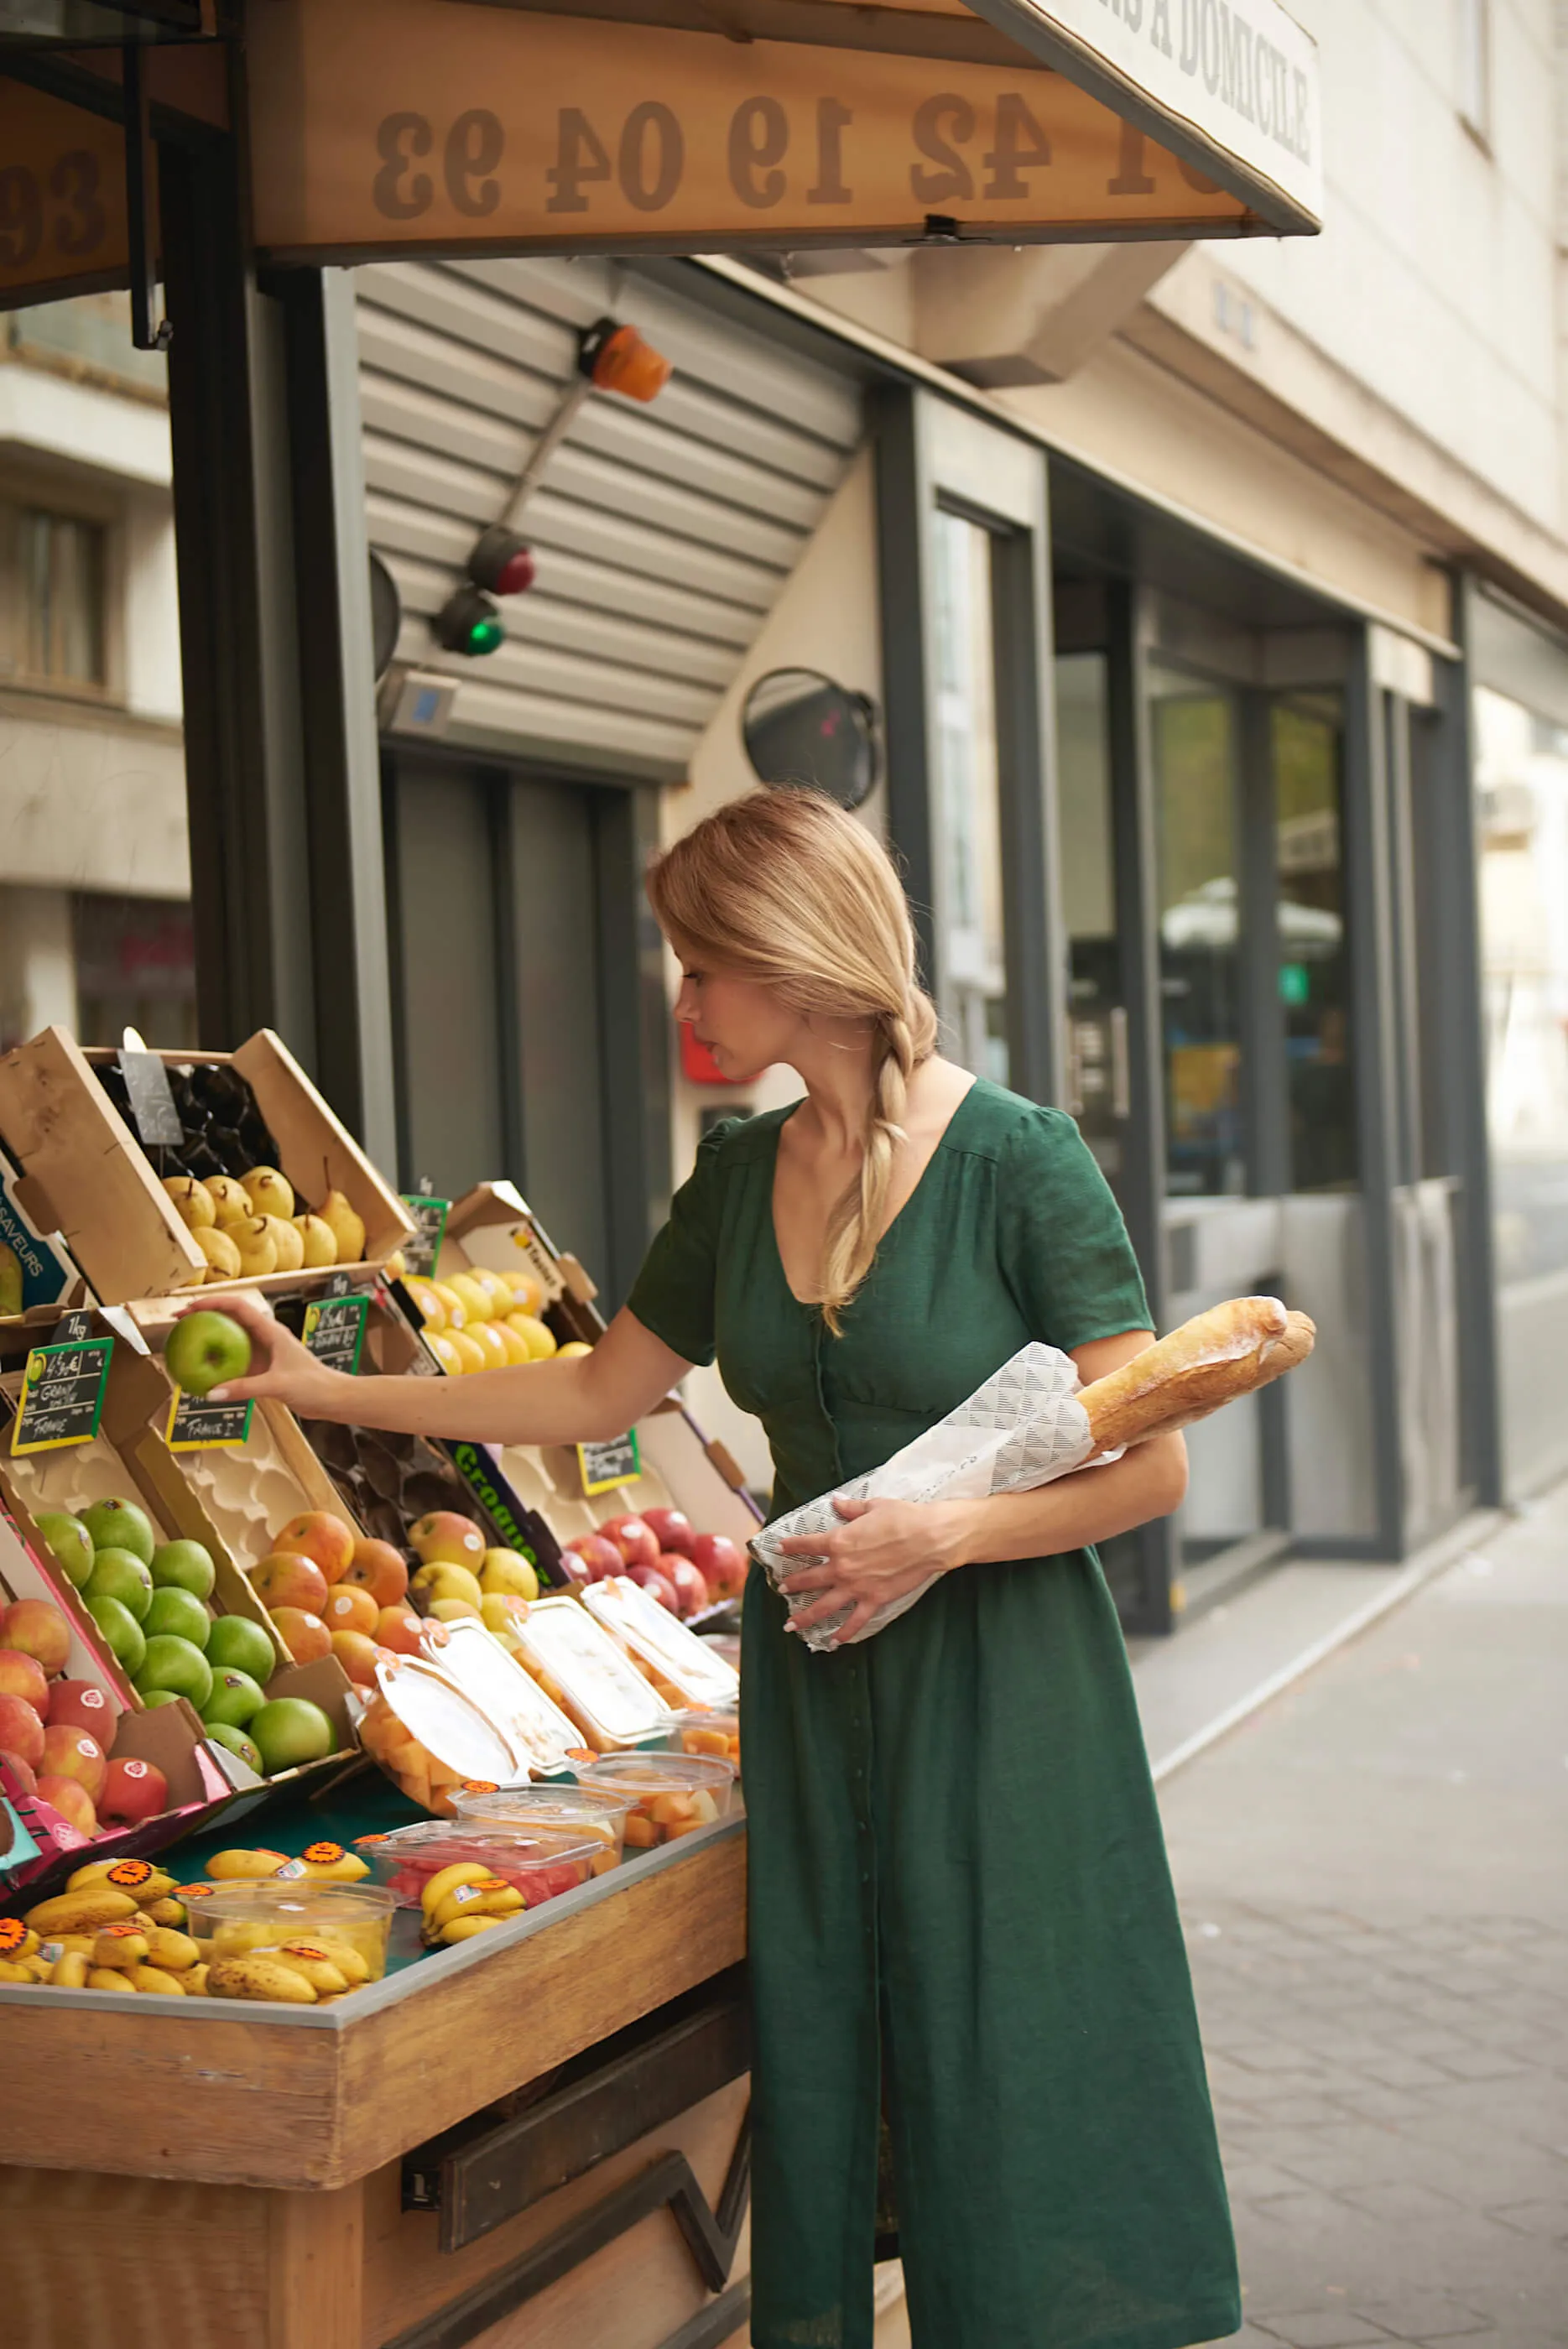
[(682, 1668), (541, 1862), (589, 1675), (235, 1919), (592, 1811), (429, 1735), (476, 1662), (673, 1794), (715, 1731)]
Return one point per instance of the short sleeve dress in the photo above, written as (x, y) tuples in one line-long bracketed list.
[(960, 1913)]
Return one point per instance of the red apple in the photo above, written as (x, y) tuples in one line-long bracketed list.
[(399, 1629), (317, 1534), (82, 1704), (21, 1729), (720, 1563), (302, 1633), (600, 1557), (672, 1528), (358, 1656), (692, 1593), (22, 1771), (633, 1538), (575, 1568), (39, 1631), (378, 1567), (74, 1753), (22, 1675), (658, 1586), (72, 1799), (289, 1578), (132, 1790)]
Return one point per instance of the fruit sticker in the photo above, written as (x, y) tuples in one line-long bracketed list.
[(477, 1787), (306, 1949), (193, 1892), (290, 1873), (119, 1932), (127, 1875), (13, 1933), (322, 1855)]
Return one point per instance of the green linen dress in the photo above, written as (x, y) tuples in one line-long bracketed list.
[(959, 1907)]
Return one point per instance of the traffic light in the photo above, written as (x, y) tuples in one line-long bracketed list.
[(468, 622)]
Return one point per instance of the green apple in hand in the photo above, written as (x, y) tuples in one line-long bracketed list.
[(206, 1350)]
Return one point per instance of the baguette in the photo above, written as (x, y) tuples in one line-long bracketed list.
[(1230, 1350)]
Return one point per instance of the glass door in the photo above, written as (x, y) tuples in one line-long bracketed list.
[(1099, 1091)]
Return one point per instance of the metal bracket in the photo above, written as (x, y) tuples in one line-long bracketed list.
[(145, 334)]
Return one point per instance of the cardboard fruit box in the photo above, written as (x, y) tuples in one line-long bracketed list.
[(88, 1176)]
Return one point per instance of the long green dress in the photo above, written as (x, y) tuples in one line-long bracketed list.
[(960, 1903)]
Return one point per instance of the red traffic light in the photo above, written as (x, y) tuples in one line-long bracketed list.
[(616, 358), (502, 562)]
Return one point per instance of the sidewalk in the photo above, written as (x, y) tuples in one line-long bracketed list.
[(1374, 1871)]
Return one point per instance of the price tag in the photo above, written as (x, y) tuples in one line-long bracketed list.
[(421, 1253), (605, 1466), (63, 1388), (333, 1329), (206, 1426), (152, 1110)]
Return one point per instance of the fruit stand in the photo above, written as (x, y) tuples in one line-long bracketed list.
[(248, 1665)]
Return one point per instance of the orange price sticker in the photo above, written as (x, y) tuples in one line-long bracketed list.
[(128, 1873), (322, 1855), (13, 1933)]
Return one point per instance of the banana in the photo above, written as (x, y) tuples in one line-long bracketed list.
[(12, 1971), (69, 1972), (464, 1929), (173, 1952), (258, 1977), (124, 1946), (107, 1978), (196, 1982), (350, 1963), (308, 1958), (168, 1911), (36, 1968), (492, 1896), (65, 1945), (154, 1977), (17, 1941), (86, 1911), (327, 1863), (135, 1876), (447, 1880), (233, 1867)]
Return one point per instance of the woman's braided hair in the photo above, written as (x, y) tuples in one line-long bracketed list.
[(784, 888)]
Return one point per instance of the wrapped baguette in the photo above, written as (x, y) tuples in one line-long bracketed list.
[(1230, 1350)]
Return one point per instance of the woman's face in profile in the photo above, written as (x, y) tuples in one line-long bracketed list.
[(741, 1022)]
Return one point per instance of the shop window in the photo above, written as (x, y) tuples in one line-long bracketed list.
[(1194, 735), (1305, 746), (968, 815), (52, 597), (135, 967)]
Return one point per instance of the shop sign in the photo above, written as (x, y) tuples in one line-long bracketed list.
[(62, 198), (517, 131), (1231, 84)]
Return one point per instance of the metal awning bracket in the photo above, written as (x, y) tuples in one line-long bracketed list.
[(145, 333)]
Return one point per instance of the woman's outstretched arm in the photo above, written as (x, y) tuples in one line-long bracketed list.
[(591, 1397)]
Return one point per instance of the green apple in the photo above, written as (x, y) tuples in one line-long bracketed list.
[(235, 1699), (116, 1574), (152, 1698), (235, 1644), (70, 1543), (174, 1663), (184, 1566), (120, 1525), (223, 1732), (121, 1633), (175, 1612), (291, 1731), (205, 1351)]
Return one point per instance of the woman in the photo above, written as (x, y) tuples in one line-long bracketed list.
[(960, 1915)]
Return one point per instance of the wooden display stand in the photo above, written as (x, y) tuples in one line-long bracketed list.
[(234, 2177)]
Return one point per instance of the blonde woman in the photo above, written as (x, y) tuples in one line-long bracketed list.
[(963, 1941)]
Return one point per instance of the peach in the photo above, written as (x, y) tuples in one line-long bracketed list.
[(72, 1799), (350, 1609), (317, 1534), (23, 1675), (399, 1628), (302, 1633), (358, 1655), (378, 1567), (70, 1753), (132, 1790), (289, 1578), (21, 1729), (445, 1538), (39, 1631)]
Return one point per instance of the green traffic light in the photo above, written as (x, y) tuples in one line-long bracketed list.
[(485, 636)]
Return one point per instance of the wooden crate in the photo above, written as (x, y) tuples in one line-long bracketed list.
[(88, 1176)]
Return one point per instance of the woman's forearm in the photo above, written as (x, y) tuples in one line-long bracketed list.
[(534, 1403), (1091, 1505)]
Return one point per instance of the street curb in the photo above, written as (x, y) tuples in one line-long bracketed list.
[(1424, 1567)]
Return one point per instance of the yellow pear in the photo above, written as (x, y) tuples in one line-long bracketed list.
[(231, 1204), (269, 1193), (320, 1241), (288, 1242), (346, 1228), (257, 1248), (218, 1247), (193, 1201)]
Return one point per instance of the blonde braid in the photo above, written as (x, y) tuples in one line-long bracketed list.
[(850, 1243)]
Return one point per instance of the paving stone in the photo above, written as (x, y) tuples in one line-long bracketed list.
[(1425, 2317), (1320, 2328)]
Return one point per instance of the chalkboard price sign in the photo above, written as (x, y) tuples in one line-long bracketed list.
[(62, 1394), (605, 1466), (334, 1330), (205, 1426), (420, 1252), (152, 1110)]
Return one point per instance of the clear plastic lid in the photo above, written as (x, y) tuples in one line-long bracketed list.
[(541, 1861), (598, 1811), (662, 1644), (447, 1721), (591, 1677), (507, 1695), (235, 1919)]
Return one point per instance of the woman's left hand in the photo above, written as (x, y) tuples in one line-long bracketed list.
[(884, 1549)]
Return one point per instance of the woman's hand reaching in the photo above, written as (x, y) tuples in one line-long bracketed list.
[(884, 1549), (281, 1368)]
